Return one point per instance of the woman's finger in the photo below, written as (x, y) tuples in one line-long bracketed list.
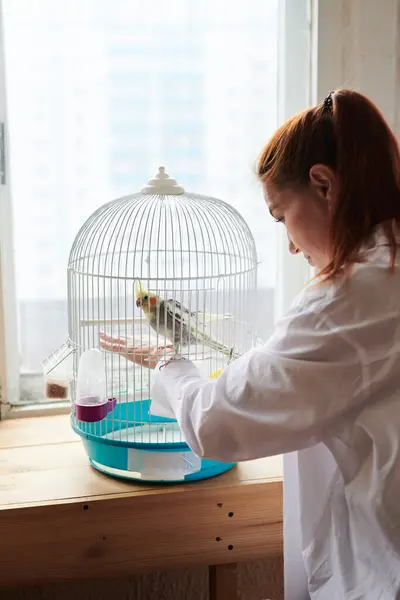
[(117, 348), (113, 347), (112, 339), (136, 359), (160, 348), (139, 351), (150, 363)]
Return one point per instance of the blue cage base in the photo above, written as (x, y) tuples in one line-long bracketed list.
[(132, 444)]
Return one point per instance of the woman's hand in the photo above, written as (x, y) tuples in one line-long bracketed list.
[(144, 356)]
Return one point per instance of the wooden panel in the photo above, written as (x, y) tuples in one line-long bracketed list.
[(146, 532), (259, 579), (223, 582)]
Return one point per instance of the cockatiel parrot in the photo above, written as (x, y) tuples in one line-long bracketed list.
[(174, 322)]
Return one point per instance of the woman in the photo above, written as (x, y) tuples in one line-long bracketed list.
[(329, 377)]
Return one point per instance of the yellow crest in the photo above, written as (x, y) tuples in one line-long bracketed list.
[(140, 290)]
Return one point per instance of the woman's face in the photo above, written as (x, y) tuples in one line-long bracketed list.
[(305, 212)]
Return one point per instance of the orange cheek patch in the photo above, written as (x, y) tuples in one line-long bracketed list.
[(153, 301)]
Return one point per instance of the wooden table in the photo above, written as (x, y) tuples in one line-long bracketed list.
[(61, 520)]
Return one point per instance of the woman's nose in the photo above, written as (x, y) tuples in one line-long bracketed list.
[(292, 248)]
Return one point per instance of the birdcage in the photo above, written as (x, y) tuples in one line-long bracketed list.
[(159, 268)]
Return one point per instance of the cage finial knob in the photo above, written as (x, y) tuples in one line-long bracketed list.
[(162, 184)]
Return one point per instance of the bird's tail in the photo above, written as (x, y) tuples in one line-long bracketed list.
[(216, 345), (205, 318)]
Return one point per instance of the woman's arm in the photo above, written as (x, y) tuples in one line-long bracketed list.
[(283, 397)]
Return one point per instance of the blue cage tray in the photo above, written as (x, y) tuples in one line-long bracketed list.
[(131, 444)]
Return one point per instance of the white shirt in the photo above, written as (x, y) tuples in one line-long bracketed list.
[(327, 381)]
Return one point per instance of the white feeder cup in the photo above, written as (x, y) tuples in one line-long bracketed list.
[(91, 404)]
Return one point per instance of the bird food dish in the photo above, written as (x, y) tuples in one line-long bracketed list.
[(55, 390)]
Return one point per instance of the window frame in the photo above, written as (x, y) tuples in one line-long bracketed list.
[(294, 94), (9, 352)]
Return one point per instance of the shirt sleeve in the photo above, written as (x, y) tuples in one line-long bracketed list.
[(285, 396)]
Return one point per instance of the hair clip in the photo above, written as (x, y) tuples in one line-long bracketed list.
[(327, 104)]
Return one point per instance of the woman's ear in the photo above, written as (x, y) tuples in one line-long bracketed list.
[(323, 180)]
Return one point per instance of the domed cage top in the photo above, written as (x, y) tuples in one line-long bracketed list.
[(159, 268)]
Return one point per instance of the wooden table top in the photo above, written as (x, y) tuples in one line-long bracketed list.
[(42, 461)]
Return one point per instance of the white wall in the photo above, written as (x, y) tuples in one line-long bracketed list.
[(358, 47)]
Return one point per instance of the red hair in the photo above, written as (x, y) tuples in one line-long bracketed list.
[(348, 134)]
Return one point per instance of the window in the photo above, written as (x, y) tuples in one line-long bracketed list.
[(85, 91)]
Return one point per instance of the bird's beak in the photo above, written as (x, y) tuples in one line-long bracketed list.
[(139, 302)]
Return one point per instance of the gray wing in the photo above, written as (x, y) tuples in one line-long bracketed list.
[(178, 322), (188, 329)]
